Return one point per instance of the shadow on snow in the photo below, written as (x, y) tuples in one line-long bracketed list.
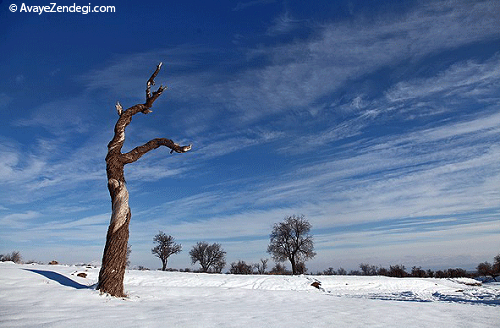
[(63, 280)]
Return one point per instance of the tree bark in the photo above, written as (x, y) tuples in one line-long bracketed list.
[(164, 265), (294, 265), (115, 252)]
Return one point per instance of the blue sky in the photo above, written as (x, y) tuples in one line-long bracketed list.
[(377, 120)]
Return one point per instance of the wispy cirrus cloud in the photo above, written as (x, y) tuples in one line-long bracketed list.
[(302, 72), (48, 167), (464, 79), (59, 117), (18, 220)]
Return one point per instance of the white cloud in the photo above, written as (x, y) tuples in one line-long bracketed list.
[(462, 79), (18, 220), (16, 166), (283, 24), (48, 167)]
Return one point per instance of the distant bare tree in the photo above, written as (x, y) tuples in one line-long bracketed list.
[(166, 247), (290, 240), (496, 267), (129, 251), (485, 269), (262, 266), (211, 257), (115, 251)]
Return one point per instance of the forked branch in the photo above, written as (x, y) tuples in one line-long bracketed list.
[(150, 98)]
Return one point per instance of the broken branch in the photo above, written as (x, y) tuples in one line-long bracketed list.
[(139, 151)]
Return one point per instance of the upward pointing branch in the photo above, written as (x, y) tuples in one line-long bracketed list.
[(150, 98)]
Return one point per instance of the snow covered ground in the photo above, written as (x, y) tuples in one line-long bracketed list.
[(54, 296)]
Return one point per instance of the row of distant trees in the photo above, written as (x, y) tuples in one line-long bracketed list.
[(289, 241), (484, 269), (398, 271)]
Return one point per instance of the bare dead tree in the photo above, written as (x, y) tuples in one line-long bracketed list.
[(115, 252)]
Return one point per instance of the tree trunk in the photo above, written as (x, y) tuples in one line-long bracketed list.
[(294, 269), (115, 252), (164, 267)]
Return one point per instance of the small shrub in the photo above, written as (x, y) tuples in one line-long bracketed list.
[(341, 272), (368, 270), (329, 272), (417, 272), (13, 257), (397, 271), (279, 269), (241, 267), (382, 272)]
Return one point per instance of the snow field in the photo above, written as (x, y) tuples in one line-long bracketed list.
[(53, 296)]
